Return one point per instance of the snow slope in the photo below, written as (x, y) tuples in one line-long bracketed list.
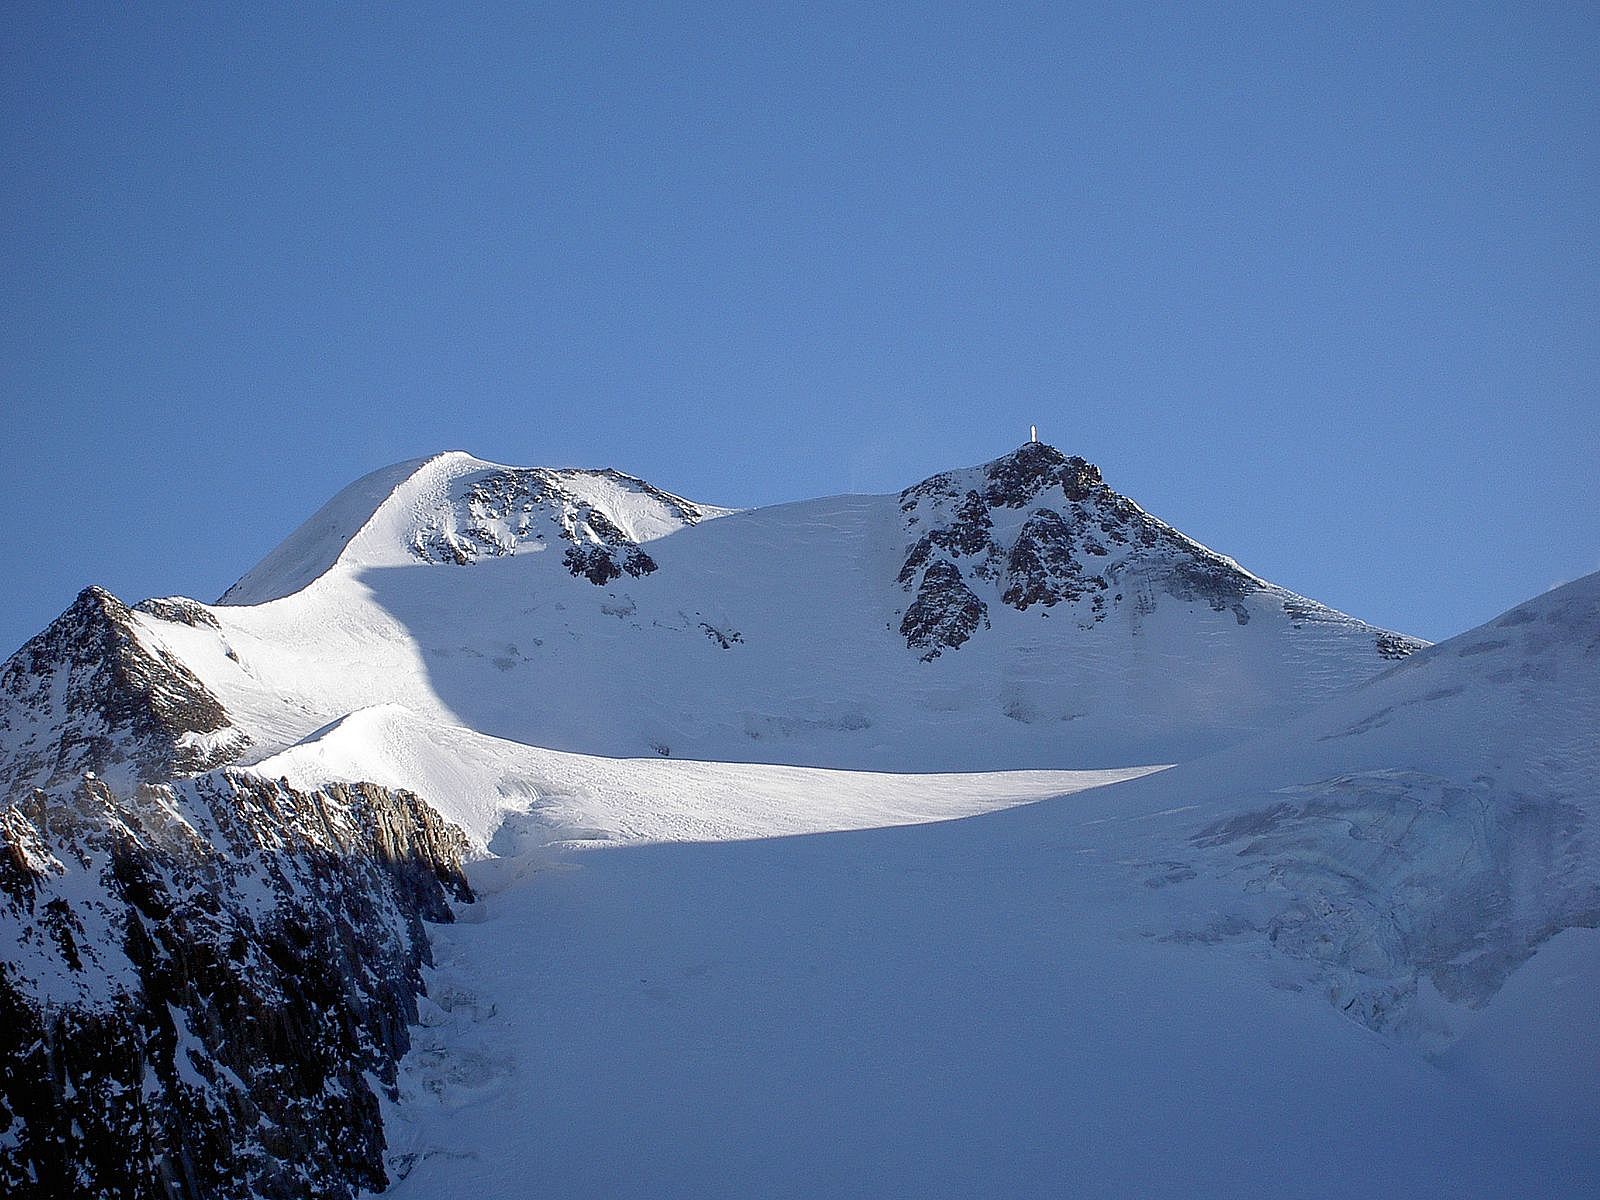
[(1290, 969)]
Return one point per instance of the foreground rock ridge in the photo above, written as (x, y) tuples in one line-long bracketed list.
[(208, 975), (225, 829)]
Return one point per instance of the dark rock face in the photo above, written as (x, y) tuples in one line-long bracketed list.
[(202, 977), (90, 694), (944, 614), (1041, 568), (1043, 529), (178, 609), (204, 981), (497, 514), (1396, 646), (598, 564)]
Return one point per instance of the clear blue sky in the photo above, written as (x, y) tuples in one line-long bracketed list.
[(1316, 283)]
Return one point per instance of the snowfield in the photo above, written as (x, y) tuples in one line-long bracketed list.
[(509, 798), (1274, 972)]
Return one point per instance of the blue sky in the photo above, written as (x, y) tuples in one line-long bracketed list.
[(1315, 283)]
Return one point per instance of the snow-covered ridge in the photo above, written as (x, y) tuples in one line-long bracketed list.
[(800, 633), (509, 798)]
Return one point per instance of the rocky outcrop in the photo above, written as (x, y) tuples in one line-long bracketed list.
[(1042, 529), (179, 609), (944, 614), (500, 512), (93, 693), (600, 565), (207, 976), (1396, 645), (208, 983)]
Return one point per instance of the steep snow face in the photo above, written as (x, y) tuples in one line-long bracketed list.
[(313, 549), (590, 612)]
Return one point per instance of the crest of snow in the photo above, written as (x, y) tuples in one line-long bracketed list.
[(509, 797)]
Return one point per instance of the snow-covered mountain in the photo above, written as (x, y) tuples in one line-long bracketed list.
[(457, 677), (1015, 615)]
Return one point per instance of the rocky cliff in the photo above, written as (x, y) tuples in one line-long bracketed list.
[(209, 975)]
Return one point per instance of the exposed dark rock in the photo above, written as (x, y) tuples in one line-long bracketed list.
[(1042, 568), (1043, 529), (90, 694), (598, 564), (724, 638), (496, 514), (180, 610), (593, 563), (205, 981), (944, 614), (1396, 645)]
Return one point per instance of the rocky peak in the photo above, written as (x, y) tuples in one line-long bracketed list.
[(91, 694), (1039, 529)]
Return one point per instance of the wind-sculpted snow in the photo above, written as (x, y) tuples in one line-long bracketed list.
[(510, 799)]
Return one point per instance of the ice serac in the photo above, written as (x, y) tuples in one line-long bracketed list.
[(1412, 843)]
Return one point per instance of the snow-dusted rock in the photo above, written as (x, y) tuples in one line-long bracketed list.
[(1041, 528), (207, 983)]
